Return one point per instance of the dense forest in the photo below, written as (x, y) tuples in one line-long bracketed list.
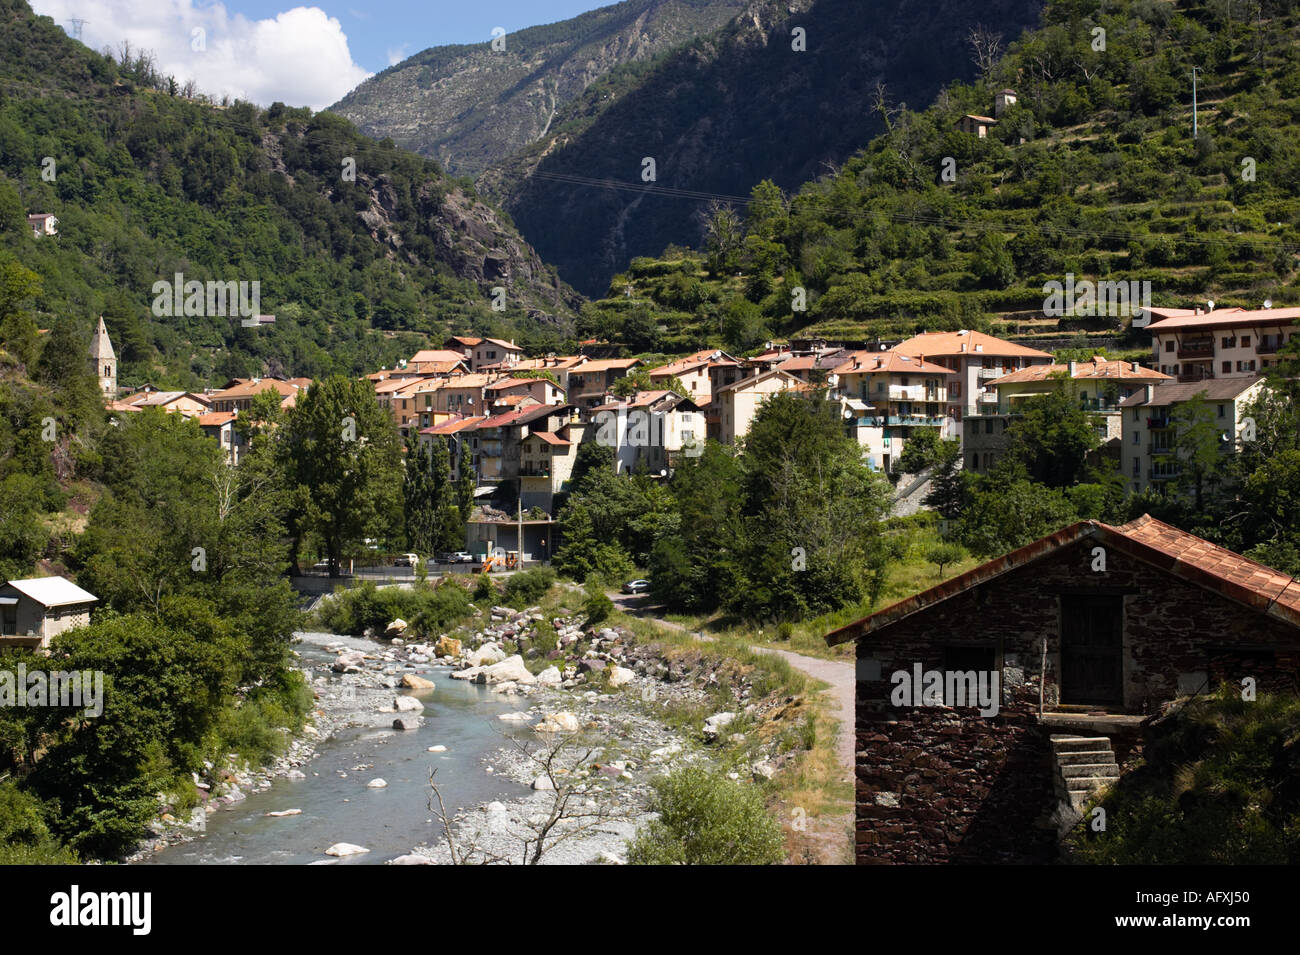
[(362, 251)]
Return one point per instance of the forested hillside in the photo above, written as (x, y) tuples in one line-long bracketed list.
[(782, 92), (353, 243), (469, 106), (1093, 171)]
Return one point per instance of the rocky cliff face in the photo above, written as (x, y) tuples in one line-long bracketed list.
[(470, 106), (727, 111)]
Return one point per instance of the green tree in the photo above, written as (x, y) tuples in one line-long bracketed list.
[(1050, 440), (343, 456)]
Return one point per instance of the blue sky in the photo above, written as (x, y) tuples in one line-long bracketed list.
[(380, 29), (298, 52)]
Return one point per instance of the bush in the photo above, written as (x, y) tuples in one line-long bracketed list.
[(707, 819), (427, 609), (485, 592), (528, 587), (24, 837), (597, 606)]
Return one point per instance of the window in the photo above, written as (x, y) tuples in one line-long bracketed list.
[(1137, 466), (1169, 345), (1245, 341), (1222, 411), (975, 660), (988, 425), (9, 620), (1229, 341), (1137, 438), (1227, 367)]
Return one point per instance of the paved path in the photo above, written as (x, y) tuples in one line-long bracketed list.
[(838, 675)]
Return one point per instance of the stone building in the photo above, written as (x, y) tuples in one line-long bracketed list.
[(1088, 631), (104, 361)]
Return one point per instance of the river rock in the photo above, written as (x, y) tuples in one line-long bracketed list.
[(284, 812), (515, 717), (543, 784), (486, 655), (549, 677), (413, 682), (620, 676), (397, 626), (562, 722), (469, 673), (411, 858), (511, 668), (447, 647), (379, 783), (349, 662), (406, 723), (715, 723), (437, 749), (341, 849), (408, 704)]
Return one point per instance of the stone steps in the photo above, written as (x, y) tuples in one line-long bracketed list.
[(1082, 767)]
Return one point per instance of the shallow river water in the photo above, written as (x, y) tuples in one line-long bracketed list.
[(336, 804)]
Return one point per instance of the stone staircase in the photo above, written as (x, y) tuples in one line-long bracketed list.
[(1083, 766)]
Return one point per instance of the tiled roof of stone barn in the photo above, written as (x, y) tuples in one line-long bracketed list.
[(1177, 552)]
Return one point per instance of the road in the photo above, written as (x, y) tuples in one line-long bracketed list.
[(839, 676)]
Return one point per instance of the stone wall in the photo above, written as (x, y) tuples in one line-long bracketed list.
[(945, 784)]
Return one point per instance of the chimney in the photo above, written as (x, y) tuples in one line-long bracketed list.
[(1135, 366), (1150, 393), (1072, 367)]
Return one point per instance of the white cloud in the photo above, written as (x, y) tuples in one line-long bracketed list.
[(300, 58), (396, 54)]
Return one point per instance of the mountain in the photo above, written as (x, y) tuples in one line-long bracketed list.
[(470, 106), (361, 251), (728, 110), (1094, 172)]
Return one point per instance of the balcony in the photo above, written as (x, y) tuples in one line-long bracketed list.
[(1098, 404), (1198, 374), (914, 421), (1153, 450), (907, 393), (1158, 424), (1267, 347), (987, 373), (535, 471), (987, 399), (1202, 348), (1162, 474)]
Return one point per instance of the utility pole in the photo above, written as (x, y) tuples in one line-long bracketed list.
[(1194, 127), (77, 24), (519, 538)]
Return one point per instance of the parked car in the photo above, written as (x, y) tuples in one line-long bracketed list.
[(321, 565), (406, 560), (638, 586), (456, 557)]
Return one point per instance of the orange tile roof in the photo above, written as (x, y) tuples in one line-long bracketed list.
[(213, 419), (465, 340), (454, 425), (1174, 551), (606, 364), (1096, 368), (944, 344), (1224, 318), (890, 362), (550, 437), (686, 363), (425, 355), (248, 387), (507, 383)]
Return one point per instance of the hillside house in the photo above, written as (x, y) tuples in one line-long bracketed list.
[(888, 395), (1148, 443), (1098, 386), (220, 427), (591, 381), (651, 430), (42, 223), (976, 125), (1077, 646), (1222, 343), (733, 407), (34, 611), (979, 360)]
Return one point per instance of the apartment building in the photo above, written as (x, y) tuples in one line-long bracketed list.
[(1219, 343), (1097, 385), (1148, 449), (886, 396), (979, 360), (651, 430)]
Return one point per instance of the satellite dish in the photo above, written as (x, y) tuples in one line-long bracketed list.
[(1211, 304), (1225, 437), (1268, 303), (663, 472)]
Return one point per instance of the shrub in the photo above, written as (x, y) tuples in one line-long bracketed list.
[(527, 586), (707, 819), (597, 606)]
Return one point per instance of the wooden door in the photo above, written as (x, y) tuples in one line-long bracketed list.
[(1092, 644)]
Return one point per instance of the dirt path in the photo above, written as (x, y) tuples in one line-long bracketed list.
[(838, 675)]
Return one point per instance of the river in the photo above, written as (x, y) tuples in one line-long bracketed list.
[(336, 804)]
